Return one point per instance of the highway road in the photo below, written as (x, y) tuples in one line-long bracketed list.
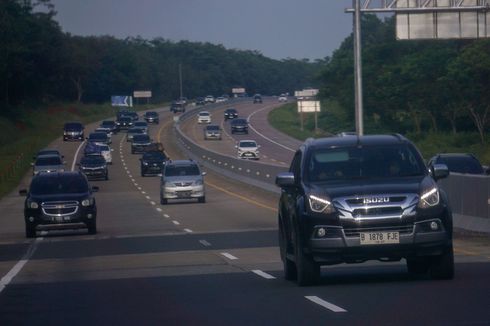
[(209, 264)]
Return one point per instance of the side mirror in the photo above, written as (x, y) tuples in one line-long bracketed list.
[(285, 179), (23, 192), (439, 171), (112, 149), (203, 173)]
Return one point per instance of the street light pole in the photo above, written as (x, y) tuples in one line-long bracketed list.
[(358, 68), (180, 81)]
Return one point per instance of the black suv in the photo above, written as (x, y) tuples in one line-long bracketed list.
[(73, 131), (231, 114), (59, 200), (94, 167), (177, 106), (152, 117), (152, 162), (257, 98), (124, 122), (353, 199), (239, 125), (139, 143)]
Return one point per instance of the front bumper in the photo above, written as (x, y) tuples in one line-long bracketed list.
[(80, 218), (95, 173), (171, 192)]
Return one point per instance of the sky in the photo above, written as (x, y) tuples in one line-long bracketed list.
[(278, 29)]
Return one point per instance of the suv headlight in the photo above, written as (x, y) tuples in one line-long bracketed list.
[(198, 182), (87, 202), (429, 198), (320, 205), (32, 204)]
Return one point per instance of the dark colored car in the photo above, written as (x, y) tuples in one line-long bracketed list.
[(152, 117), (459, 163), (139, 143), (152, 162), (48, 163), (257, 98), (239, 125), (110, 126), (212, 132), (231, 114), (59, 200), (353, 199), (73, 131), (177, 106), (94, 167), (48, 151), (124, 122), (99, 137), (133, 115), (200, 101)]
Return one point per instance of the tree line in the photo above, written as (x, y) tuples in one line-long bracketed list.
[(39, 63), (413, 86)]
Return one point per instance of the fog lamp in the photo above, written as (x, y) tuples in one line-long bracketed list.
[(321, 232), (31, 219), (434, 226), (89, 216)]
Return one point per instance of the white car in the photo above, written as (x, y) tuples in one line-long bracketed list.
[(106, 152), (209, 99), (283, 98), (204, 117), (220, 99), (248, 149)]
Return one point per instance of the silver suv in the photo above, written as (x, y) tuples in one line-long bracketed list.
[(182, 179)]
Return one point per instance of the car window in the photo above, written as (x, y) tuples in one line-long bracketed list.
[(181, 170), (248, 144), (463, 164), (154, 156), (61, 185), (52, 160)]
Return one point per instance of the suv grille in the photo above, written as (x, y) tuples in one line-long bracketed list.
[(377, 211), (61, 208), (403, 229), (183, 184)]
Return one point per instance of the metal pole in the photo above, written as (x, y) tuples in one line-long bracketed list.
[(180, 79), (358, 68)]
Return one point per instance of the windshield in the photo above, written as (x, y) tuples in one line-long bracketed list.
[(73, 126), (99, 135), (365, 162), (92, 159), (239, 122), (141, 138), (212, 127), (204, 114), (58, 185), (248, 144), (154, 156), (52, 160), (181, 170), (107, 124)]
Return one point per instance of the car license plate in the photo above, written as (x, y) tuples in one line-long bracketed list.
[(184, 194), (376, 238)]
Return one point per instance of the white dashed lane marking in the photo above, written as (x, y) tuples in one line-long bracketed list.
[(263, 274), (325, 304), (229, 256), (205, 243)]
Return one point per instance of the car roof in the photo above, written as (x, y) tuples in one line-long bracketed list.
[(48, 156), (203, 112), (350, 141), (247, 140), (182, 162), (444, 155)]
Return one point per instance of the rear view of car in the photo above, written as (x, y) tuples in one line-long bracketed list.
[(152, 117), (94, 167), (182, 179), (48, 163), (73, 131), (139, 143)]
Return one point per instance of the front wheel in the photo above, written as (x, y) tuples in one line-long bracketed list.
[(30, 231), (289, 267), (442, 267), (163, 201), (202, 199), (92, 227), (418, 266), (307, 270)]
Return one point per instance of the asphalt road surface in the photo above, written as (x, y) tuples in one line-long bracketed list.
[(209, 264)]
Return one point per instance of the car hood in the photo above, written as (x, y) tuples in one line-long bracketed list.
[(59, 197), (48, 167), (190, 178), (371, 187), (248, 149)]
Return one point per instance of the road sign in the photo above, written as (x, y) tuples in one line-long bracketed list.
[(306, 93), (308, 106), (142, 94), (121, 100), (238, 90)]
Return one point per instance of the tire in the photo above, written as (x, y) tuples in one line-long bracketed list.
[(202, 199), (30, 231), (163, 201), (92, 227), (106, 177), (289, 267), (442, 267), (418, 266), (307, 270)]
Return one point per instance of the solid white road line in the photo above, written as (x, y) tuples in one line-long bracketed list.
[(188, 230), (325, 304), (166, 216), (176, 222), (229, 256), (76, 155), (20, 264), (263, 274)]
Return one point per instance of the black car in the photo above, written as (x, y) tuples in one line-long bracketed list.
[(239, 125), (353, 199), (124, 122), (133, 115), (94, 167), (200, 101), (459, 163), (139, 143), (177, 106), (257, 98), (152, 117), (59, 200), (110, 126), (152, 162), (231, 114), (99, 137), (73, 131), (48, 151)]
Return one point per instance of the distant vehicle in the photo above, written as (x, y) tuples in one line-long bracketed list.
[(220, 99), (98, 149), (231, 113), (122, 113), (257, 98), (139, 143), (94, 167), (106, 153), (133, 131), (110, 126), (200, 101), (134, 116), (239, 125), (182, 179), (209, 99), (57, 200), (459, 163), (248, 149), (152, 117), (48, 163), (48, 151), (212, 132), (141, 124), (204, 117), (177, 107), (99, 137), (124, 122), (152, 162), (282, 98), (105, 131), (73, 131)]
